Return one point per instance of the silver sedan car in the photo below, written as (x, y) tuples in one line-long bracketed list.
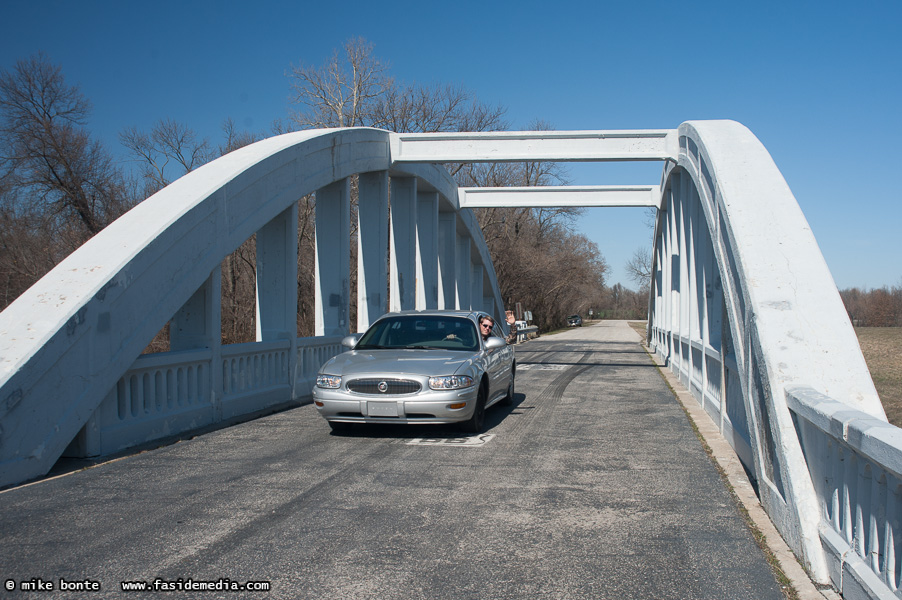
[(417, 367)]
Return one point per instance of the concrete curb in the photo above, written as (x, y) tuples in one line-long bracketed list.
[(725, 456)]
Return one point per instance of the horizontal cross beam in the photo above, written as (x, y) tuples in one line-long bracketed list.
[(517, 146), (593, 195)]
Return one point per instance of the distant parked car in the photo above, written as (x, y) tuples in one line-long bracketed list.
[(417, 367), (574, 321)]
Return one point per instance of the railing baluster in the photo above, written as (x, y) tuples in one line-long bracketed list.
[(848, 501), (834, 467), (877, 518), (893, 553)]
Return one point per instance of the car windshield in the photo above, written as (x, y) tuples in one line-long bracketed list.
[(421, 332)]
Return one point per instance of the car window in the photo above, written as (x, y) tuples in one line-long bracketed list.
[(421, 332)]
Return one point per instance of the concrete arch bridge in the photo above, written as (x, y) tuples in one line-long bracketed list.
[(742, 307)]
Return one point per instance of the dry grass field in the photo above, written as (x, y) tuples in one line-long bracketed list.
[(882, 349)]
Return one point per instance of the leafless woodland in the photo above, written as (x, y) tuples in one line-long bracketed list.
[(59, 186)]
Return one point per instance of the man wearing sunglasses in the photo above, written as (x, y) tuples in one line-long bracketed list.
[(486, 323)]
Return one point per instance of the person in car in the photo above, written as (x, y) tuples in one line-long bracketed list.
[(486, 323)]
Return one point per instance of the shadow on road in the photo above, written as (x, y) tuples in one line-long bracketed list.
[(494, 416)]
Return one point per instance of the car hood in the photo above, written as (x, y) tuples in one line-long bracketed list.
[(391, 362)]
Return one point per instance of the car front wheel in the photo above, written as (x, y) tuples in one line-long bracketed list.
[(475, 423)]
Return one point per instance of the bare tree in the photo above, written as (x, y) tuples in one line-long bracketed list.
[(638, 268), (46, 151), (58, 187), (26, 248), (343, 92), (619, 302), (651, 218), (416, 108), (234, 138), (553, 273), (880, 307), (354, 89), (239, 276), (167, 152)]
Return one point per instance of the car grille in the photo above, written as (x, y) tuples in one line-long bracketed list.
[(392, 386)]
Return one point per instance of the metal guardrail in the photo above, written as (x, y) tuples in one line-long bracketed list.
[(527, 333)]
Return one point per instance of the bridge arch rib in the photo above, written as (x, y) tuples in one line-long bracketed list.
[(743, 308), (68, 345)]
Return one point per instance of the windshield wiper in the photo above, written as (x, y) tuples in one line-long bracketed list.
[(420, 348)]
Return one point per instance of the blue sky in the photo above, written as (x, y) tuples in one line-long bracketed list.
[(819, 83)]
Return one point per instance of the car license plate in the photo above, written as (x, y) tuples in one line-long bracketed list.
[(382, 409)]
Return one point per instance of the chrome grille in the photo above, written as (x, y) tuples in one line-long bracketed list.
[(392, 386)]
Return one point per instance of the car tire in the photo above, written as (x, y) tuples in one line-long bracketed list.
[(475, 423), (509, 399)]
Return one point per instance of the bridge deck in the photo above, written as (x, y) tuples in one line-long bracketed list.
[(592, 485)]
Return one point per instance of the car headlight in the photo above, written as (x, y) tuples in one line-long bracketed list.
[(330, 382), (450, 382)]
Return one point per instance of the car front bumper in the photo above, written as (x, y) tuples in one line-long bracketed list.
[(431, 406)]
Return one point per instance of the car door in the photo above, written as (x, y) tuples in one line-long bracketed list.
[(499, 365)]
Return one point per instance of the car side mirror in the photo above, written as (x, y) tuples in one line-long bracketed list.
[(351, 340), (493, 343)]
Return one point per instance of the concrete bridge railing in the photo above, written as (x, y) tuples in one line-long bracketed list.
[(170, 392), (71, 375), (855, 462)]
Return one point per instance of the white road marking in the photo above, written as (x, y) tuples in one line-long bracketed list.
[(464, 440), (544, 367)]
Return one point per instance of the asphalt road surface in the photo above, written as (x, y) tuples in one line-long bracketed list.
[(592, 486)]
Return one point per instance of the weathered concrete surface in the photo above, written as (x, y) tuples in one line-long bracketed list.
[(592, 486)]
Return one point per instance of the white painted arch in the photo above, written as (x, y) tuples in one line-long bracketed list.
[(68, 340), (743, 307)]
